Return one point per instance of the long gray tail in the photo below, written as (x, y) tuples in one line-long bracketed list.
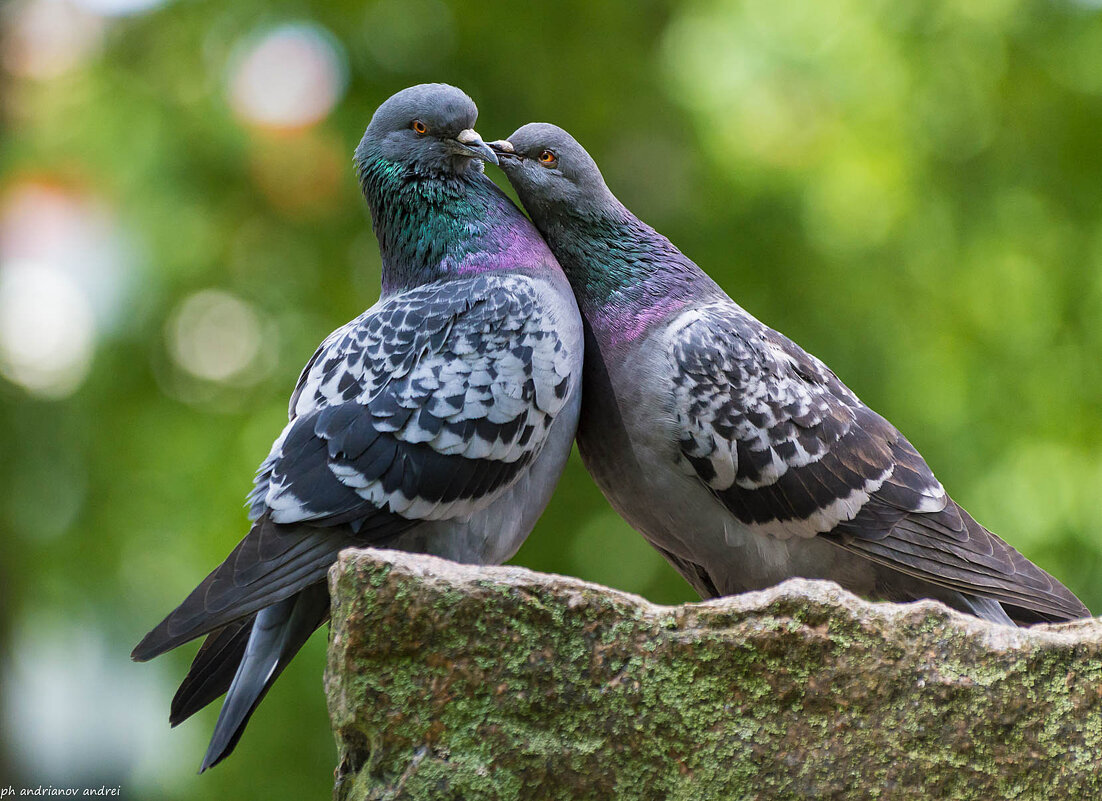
[(277, 635)]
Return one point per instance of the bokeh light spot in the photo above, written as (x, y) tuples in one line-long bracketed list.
[(46, 328), (43, 39), (290, 76), (81, 708), (214, 335), (64, 278)]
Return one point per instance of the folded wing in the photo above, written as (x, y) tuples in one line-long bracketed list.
[(792, 452)]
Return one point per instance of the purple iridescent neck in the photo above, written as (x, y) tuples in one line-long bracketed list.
[(432, 227), (627, 277)]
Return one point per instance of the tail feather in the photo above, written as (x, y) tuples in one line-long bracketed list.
[(277, 634), (212, 670), (271, 564), (257, 609), (986, 609)]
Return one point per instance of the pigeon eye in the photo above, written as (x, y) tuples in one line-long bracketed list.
[(548, 159), (419, 127)]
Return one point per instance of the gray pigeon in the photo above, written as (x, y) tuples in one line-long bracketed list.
[(437, 421), (738, 455)]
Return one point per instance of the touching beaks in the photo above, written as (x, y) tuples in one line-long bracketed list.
[(469, 143), (503, 147)]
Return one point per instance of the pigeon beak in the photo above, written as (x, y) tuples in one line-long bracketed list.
[(503, 147), (469, 143)]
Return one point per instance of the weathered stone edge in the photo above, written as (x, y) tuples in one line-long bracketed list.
[(993, 676)]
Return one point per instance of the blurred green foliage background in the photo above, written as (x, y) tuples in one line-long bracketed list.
[(911, 189)]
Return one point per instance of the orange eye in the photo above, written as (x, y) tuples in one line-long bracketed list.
[(549, 159), (420, 127)]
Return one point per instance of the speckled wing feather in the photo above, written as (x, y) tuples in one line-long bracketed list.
[(792, 452), (426, 407)]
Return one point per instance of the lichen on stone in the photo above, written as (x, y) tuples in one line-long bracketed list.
[(449, 681)]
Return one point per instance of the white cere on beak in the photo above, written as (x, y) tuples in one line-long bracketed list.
[(469, 137)]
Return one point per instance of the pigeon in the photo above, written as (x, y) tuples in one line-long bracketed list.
[(738, 455), (438, 421)]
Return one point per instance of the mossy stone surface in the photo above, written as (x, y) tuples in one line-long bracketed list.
[(449, 681)]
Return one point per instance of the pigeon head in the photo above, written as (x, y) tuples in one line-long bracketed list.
[(427, 128), (434, 211), (623, 271), (551, 172)]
